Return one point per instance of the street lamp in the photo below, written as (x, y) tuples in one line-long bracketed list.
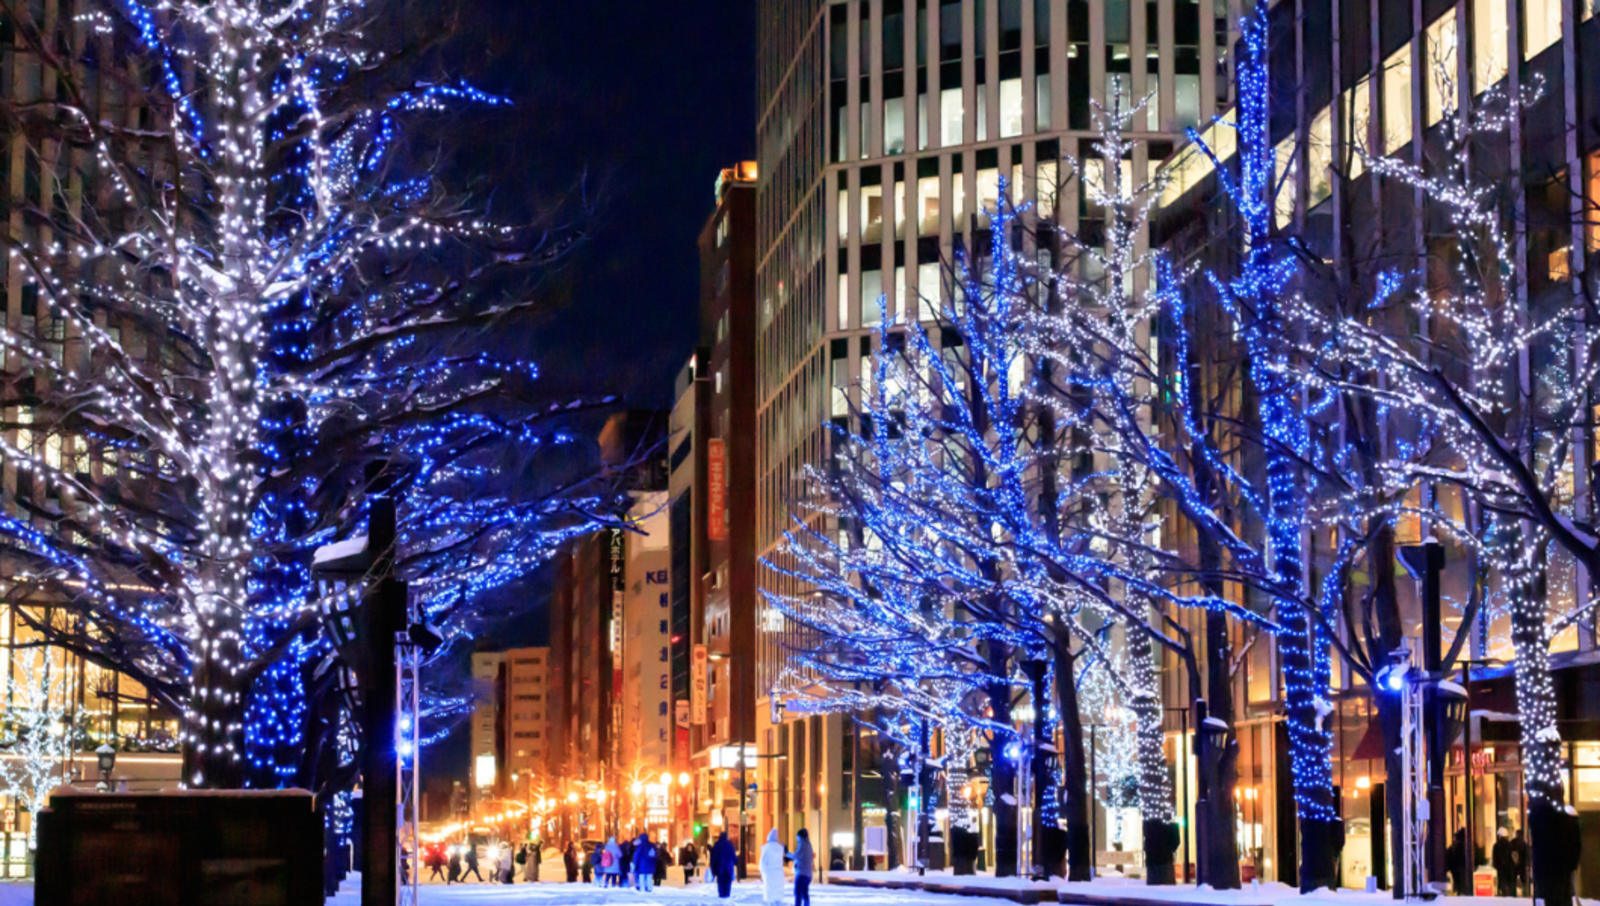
[(108, 760)]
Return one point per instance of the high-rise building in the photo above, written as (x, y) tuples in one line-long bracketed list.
[(1354, 76), (712, 488), (597, 711), (487, 733), (527, 730), (886, 130)]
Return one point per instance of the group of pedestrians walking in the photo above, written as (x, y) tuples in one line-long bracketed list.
[(637, 862), (462, 863)]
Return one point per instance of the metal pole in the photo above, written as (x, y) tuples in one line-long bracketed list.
[(1466, 749), (1183, 756), (1094, 775)]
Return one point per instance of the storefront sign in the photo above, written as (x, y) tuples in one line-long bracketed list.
[(697, 685), (717, 490)]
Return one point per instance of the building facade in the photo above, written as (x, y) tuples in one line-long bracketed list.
[(886, 127)]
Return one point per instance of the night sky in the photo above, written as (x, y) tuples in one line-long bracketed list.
[(641, 103), (626, 111)]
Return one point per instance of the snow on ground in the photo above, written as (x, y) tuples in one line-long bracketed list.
[(747, 893)]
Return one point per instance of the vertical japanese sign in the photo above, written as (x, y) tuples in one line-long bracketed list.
[(697, 685), (717, 490)]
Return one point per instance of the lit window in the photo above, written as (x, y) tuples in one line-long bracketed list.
[(1439, 67), (922, 121), (1041, 101), (1186, 100), (928, 205), (871, 298), (983, 113), (866, 116), (1360, 107), (988, 186), (1397, 99), (1010, 108), (1541, 25), (1319, 158), (898, 301), (958, 202), (950, 114), (1152, 102), (844, 301), (900, 209), (894, 126), (872, 213), (930, 290), (844, 215), (1488, 43), (1046, 184), (1591, 204), (1287, 179)]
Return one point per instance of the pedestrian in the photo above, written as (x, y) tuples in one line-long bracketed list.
[(405, 867), (1560, 853), (455, 865), (663, 861), (644, 864), (1505, 866), (805, 864), (772, 856), (1519, 856), (627, 863), (1455, 858), (506, 865), (435, 862), (722, 865), (613, 863), (569, 860), (470, 860), (688, 860)]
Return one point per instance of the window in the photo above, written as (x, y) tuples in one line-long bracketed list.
[(1439, 67), (898, 301), (872, 213), (1591, 204), (922, 121), (1152, 103), (1397, 100), (928, 205), (988, 185), (930, 290), (958, 202), (950, 115), (844, 301), (844, 215), (900, 209), (1541, 25), (1360, 107), (1186, 100), (983, 114), (866, 119), (894, 126), (1010, 108), (1488, 43), (1319, 158), (1046, 184), (1041, 101), (871, 298)]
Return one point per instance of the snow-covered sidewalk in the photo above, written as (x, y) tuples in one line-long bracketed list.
[(1119, 891)]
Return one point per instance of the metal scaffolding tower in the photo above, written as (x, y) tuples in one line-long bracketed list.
[(408, 750)]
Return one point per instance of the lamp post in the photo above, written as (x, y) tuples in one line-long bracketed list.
[(107, 757)]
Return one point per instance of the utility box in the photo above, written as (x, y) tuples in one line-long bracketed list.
[(180, 848)]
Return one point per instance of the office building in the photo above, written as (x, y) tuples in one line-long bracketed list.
[(885, 129)]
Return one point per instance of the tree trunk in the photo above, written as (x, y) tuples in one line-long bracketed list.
[(1075, 778), (1220, 845), (1003, 784), (1155, 786)]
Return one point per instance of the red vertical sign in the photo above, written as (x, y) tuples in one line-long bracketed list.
[(717, 490)]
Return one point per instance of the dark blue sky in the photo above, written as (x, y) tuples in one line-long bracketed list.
[(650, 100)]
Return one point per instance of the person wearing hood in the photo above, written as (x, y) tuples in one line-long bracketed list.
[(723, 863), (569, 860), (772, 857), (805, 864), (644, 864), (613, 863), (506, 864)]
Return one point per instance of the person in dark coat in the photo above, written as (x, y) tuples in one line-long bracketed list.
[(663, 862), (1455, 858), (644, 863), (723, 863), (688, 860), (433, 857), (455, 865), (535, 856), (1559, 853), (625, 879), (470, 860), (1519, 855), (1505, 865), (569, 861)]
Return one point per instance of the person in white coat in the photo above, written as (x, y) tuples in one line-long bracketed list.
[(772, 856)]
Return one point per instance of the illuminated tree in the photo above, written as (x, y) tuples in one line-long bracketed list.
[(265, 306), (38, 701)]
